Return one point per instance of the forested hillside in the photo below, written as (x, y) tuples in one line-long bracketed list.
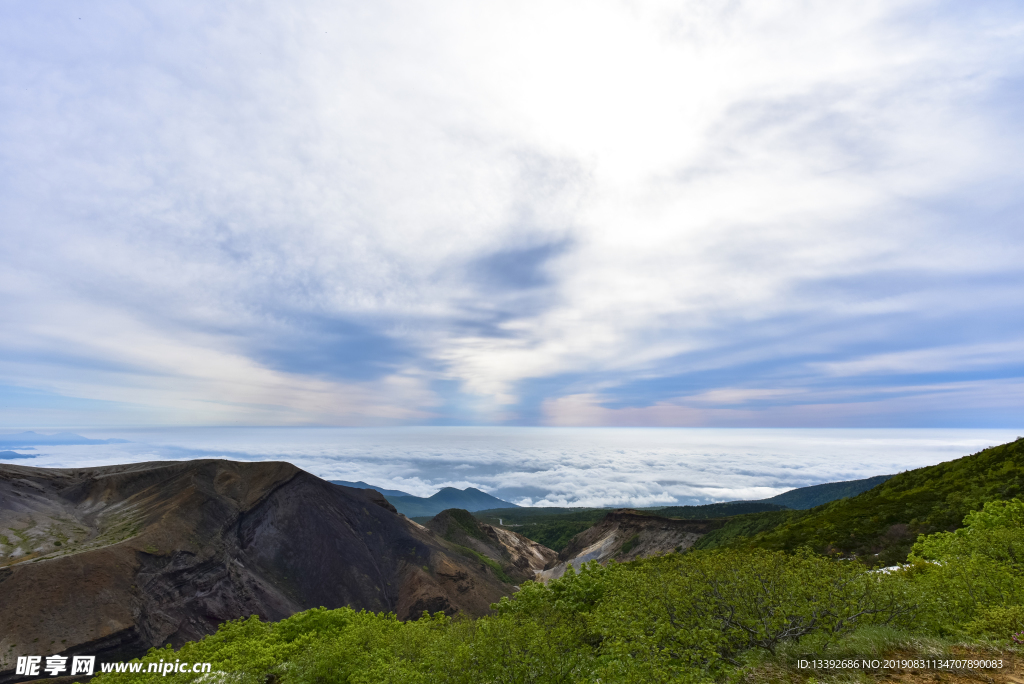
[(881, 524), (718, 510)]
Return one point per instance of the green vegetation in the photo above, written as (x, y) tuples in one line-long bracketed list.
[(718, 510), (489, 562), (458, 526), (555, 536), (704, 616), (555, 527), (458, 520), (740, 528), (629, 544), (552, 527)]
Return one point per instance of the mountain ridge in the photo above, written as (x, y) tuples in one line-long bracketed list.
[(362, 485), (470, 499), (25, 439), (802, 498)]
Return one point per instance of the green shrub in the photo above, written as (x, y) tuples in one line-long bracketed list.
[(978, 567), (629, 544), (997, 622)]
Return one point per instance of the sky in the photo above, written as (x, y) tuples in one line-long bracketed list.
[(688, 213)]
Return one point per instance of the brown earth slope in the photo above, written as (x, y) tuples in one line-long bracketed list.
[(520, 558), (111, 561), (626, 535)]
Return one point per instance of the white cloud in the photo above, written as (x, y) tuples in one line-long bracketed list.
[(938, 359), (558, 466), (853, 407), (195, 181)]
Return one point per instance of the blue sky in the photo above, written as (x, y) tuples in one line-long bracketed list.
[(526, 213)]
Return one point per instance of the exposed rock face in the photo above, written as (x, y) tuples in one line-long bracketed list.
[(111, 561), (527, 558), (520, 558), (625, 535)]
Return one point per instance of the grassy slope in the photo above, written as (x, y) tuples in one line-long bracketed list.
[(887, 519)]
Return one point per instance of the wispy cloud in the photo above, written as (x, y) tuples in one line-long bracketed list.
[(644, 213)]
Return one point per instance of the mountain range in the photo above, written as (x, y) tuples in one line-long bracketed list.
[(470, 499), (362, 485), (26, 439), (474, 500)]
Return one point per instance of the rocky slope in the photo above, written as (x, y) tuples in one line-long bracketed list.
[(518, 558), (626, 535), (111, 561)]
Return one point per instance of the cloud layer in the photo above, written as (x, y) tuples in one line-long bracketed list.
[(555, 466), (697, 213)]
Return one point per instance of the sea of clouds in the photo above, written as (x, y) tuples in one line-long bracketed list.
[(552, 466)]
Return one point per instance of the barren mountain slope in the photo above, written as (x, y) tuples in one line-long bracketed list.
[(520, 558), (110, 561), (625, 535)]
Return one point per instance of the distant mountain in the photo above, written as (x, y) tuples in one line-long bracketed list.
[(803, 498), (470, 499), (14, 454), (24, 439), (363, 485)]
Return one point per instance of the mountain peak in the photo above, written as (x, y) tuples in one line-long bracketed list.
[(470, 499)]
